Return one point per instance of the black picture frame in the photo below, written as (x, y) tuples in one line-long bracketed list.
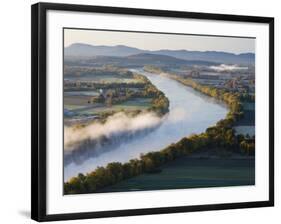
[(38, 108)]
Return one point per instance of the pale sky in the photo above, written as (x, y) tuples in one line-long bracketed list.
[(148, 41)]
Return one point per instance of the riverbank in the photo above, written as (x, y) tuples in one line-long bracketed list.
[(118, 112), (219, 136), (95, 94), (198, 113), (193, 171)]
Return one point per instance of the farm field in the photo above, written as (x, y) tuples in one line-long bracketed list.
[(129, 105), (89, 91), (247, 124), (248, 119), (81, 93), (244, 130), (249, 106), (192, 173), (103, 79), (80, 106), (78, 100)]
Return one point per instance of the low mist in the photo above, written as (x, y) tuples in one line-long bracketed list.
[(115, 124), (189, 112), (224, 67)]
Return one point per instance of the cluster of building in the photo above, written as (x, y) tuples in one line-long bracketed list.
[(108, 95), (236, 82)]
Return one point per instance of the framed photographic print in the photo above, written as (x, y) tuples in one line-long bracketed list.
[(138, 111)]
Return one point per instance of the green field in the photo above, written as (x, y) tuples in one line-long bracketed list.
[(246, 125), (192, 173), (81, 93), (76, 102), (104, 78), (129, 105), (244, 130), (81, 100), (80, 105), (249, 106), (73, 107)]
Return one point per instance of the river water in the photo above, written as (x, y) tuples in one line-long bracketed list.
[(190, 113)]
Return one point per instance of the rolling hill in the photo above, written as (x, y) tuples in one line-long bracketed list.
[(85, 50), (133, 60)]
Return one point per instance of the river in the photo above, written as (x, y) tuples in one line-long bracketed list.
[(190, 112)]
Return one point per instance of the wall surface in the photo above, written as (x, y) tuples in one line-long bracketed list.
[(15, 110)]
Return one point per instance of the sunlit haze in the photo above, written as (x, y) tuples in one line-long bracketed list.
[(148, 41)]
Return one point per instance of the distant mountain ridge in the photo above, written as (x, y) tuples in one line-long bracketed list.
[(87, 50), (133, 60)]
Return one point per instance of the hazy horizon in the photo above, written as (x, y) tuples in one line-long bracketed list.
[(156, 41)]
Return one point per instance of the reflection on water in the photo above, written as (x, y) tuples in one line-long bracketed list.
[(190, 112)]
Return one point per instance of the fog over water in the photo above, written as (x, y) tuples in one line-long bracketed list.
[(190, 112), (115, 125)]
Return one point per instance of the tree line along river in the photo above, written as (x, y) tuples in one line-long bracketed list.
[(190, 112)]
